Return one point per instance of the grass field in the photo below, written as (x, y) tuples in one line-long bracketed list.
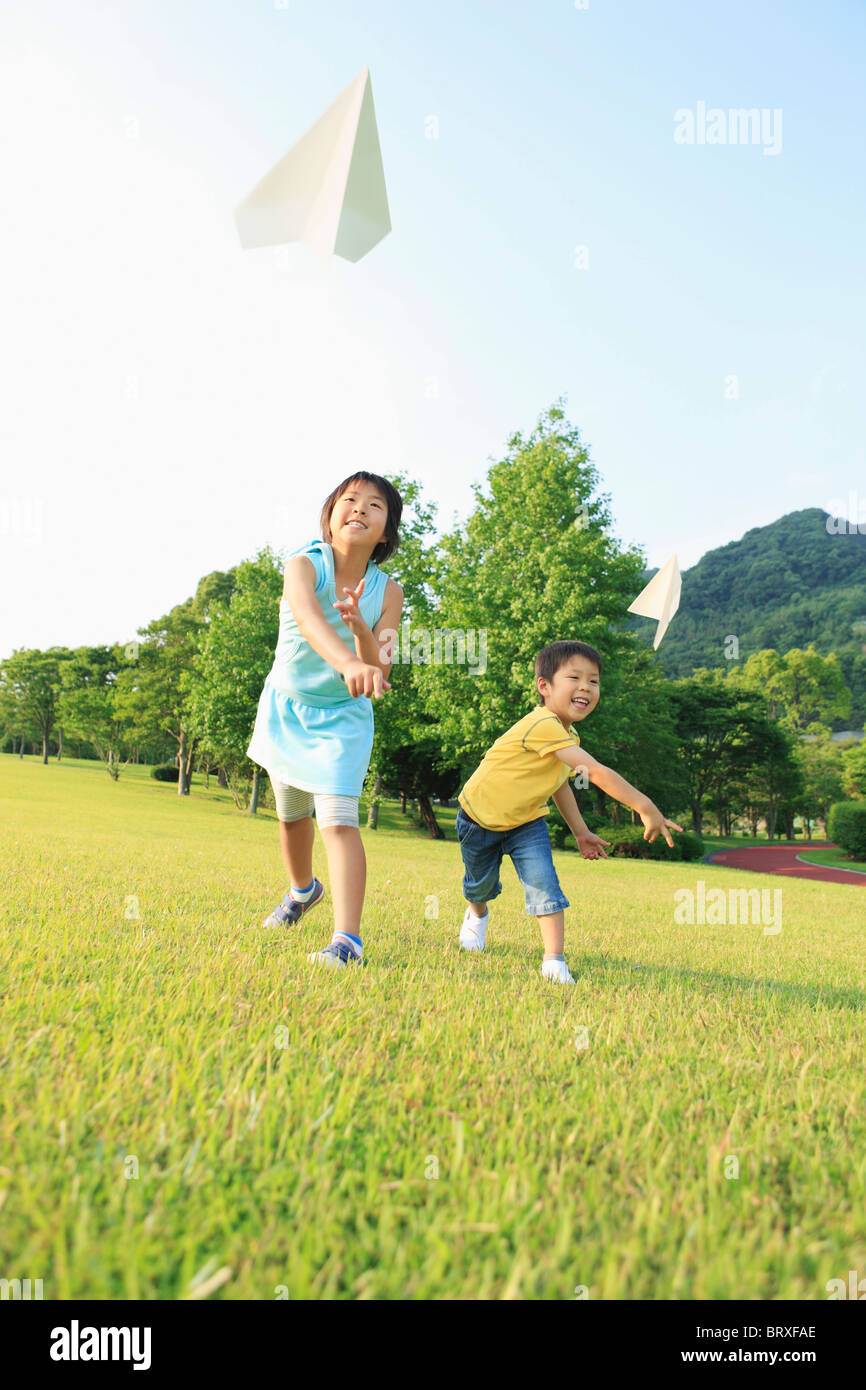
[(191, 1109), (835, 858)]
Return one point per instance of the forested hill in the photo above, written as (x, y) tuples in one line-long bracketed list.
[(783, 585)]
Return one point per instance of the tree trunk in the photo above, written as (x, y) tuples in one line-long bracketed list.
[(182, 755), (429, 819), (59, 744), (21, 748), (45, 748), (697, 818), (222, 780), (403, 802), (254, 795), (789, 825), (373, 811)]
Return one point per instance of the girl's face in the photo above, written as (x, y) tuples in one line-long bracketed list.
[(360, 516)]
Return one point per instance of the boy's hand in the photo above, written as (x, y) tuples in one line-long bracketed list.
[(655, 823), (590, 845), (364, 679)]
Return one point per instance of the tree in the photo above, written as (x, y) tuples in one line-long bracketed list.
[(31, 680), (800, 687), (823, 776), (153, 697), (535, 562), (854, 763), (90, 706), (223, 684), (721, 732), (403, 722)]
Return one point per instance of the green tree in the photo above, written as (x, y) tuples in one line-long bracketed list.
[(535, 562), (224, 682), (721, 733), (32, 683), (90, 707), (800, 687), (823, 775), (404, 725)]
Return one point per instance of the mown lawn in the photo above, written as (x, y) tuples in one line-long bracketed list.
[(834, 858), (184, 1097)]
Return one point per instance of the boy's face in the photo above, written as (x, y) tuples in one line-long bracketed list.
[(574, 691)]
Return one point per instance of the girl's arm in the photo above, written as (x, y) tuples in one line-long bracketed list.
[(368, 642), (299, 591)]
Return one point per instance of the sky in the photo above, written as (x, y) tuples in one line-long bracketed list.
[(170, 403)]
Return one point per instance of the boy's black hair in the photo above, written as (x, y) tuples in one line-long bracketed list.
[(391, 539), (556, 654)]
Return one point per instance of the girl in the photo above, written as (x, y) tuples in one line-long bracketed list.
[(314, 724)]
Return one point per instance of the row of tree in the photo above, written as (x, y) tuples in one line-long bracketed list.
[(536, 560)]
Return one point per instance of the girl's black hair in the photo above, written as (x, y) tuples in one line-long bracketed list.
[(556, 654), (391, 539)]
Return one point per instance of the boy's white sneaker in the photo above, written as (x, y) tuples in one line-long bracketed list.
[(557, 970), (474, 930)]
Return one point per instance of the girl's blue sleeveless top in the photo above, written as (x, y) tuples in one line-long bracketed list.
[(297, 668)]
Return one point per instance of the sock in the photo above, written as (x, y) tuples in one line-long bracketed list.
[(303, 895), (346, 936), (552, 956)]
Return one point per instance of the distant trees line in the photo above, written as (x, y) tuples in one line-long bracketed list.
[(536, 560)]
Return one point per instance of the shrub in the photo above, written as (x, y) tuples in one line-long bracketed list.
[(627, 841), (166, 772), (846, 826), (560, 835)]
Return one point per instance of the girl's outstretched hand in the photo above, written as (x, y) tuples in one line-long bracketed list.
[(363, 679), (349, 610)]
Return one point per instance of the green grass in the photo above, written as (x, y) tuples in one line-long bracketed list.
[(835, 859), (426, 1126)]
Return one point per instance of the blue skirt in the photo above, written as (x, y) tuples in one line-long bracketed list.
[(313, 748)]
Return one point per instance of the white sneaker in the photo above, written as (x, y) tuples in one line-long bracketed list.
[(474, 930), (557, 970)]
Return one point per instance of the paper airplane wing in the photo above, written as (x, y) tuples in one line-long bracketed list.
[(329, 190), (660, 598)]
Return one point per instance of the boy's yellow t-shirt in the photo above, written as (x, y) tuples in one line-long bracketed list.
[(519, 774)]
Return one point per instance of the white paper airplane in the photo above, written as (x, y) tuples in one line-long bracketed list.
[(661, 598), (329, 190)]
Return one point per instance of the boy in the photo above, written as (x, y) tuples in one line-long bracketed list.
[(504, 803)]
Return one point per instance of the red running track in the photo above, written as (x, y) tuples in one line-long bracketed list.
[(782, 859)]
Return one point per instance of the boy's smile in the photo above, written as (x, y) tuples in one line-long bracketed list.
[(574, 691)]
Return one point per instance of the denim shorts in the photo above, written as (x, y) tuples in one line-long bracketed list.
[(529, 847)]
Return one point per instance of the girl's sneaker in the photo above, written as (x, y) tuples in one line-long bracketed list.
[(290, 911), (557, 970), (474, 930), (344, 950)]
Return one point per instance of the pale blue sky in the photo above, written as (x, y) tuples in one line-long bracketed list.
[(170, 402)]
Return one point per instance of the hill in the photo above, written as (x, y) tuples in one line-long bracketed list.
[(783, 585)]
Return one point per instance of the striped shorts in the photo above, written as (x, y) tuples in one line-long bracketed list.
[(295, 804)]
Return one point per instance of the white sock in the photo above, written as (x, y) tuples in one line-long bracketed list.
[(303, 895)]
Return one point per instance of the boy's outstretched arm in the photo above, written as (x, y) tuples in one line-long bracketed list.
[(613, 785)]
